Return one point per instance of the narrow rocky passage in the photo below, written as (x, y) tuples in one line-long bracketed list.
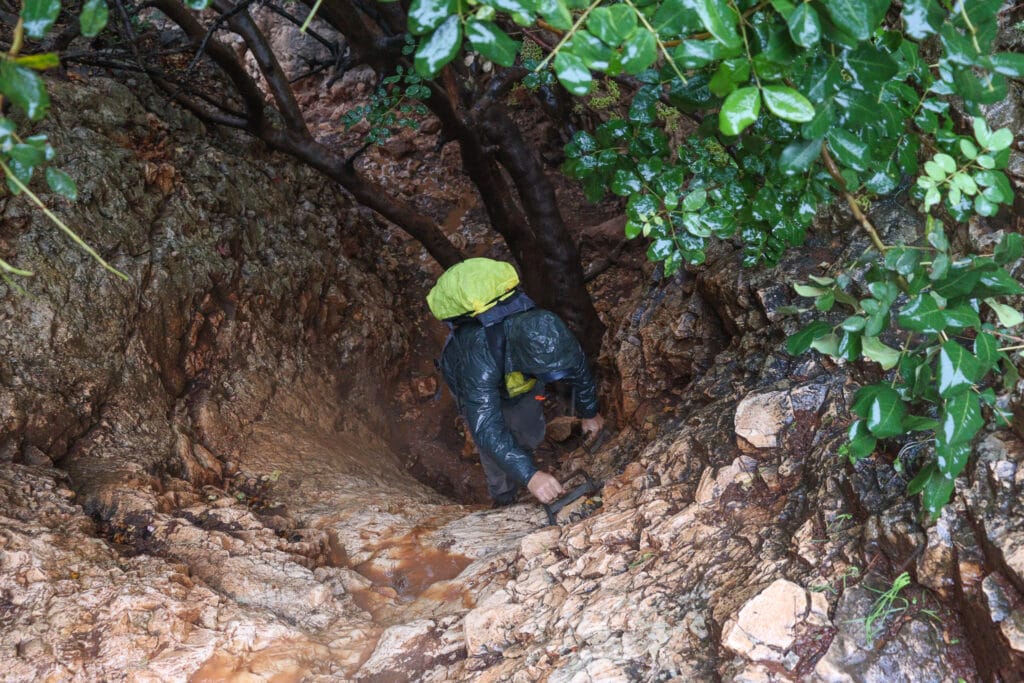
[(199, 479)]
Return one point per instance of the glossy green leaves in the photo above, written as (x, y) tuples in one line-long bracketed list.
[(720, 20), (740, 109), (61, 183), (94, 17), (427, 15), (787, 103), (743, 105), (439, 48), (25, 89), (804, 25), (490, 41), (573, 73), (38, 16), (858, 18)]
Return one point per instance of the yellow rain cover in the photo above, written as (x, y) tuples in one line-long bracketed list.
[(471, 287)]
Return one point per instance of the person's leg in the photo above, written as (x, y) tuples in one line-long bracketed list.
[(500, 486), (524, 417)]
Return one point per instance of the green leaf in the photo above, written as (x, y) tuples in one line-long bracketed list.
[(427, 15), (962, 316), (787, 103), (986, 348), (998, 189), (984, 207), (807, 290), (902, 260), (638, 52), (61, 183), (27, 155), (918, 483), (1008, 315), (849, 150), (695, 200), (936, 492), (922, 314), (961, 280), (1010, 248), (916, 423), (730, 72), (854, 323), (961, 419), (827, 345), (740, 109), (861, 442), (849, 346), (490, 41), (952, 458), (997, 283), (439, 48), (39, 62), (870, 67), (612, 23), (804, 26), (25, 89), (885, 413), (886, 356), (1009, 64), (801, 341), (957, 369), (798, 156), (857, 17), (922, 18), (38, 16), (676, 18), (719, 18), (595, 54), (556, 13), (625, 183), (573, 74), (93, 18), (1001, 139)]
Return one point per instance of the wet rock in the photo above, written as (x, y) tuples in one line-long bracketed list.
[(911, 649), (999, 596), (762, 418), (936, 565), (767, 626), (490, 627), (1013, 630), (406, 649)]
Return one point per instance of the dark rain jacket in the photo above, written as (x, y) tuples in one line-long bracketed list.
[(537, 344)]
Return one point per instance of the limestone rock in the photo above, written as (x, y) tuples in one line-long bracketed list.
[(761, 418), (767, 626)]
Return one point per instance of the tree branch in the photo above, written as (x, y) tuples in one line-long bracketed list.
[(862, 220), (242, 24), (224, 58)]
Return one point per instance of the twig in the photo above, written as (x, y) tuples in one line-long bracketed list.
[(862, 220)]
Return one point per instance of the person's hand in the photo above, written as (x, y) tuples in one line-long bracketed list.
[(592, 426), (544, 487)]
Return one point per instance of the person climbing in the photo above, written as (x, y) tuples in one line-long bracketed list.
[(500, 353)]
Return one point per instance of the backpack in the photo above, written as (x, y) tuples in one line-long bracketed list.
[(485, 292)]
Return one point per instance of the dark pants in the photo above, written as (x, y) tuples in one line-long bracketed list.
[(524, 416)]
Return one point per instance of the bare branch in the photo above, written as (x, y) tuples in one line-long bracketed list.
[(242, 24), (223, 57), (217, 25)]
